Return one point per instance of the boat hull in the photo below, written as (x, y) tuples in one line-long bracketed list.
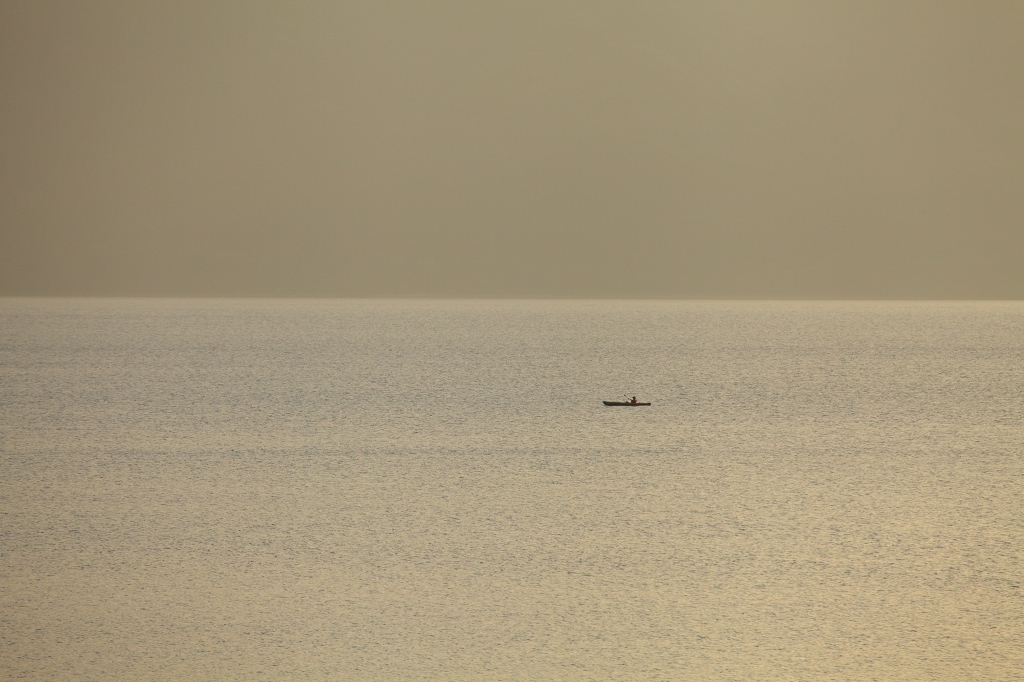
[(612, 403)]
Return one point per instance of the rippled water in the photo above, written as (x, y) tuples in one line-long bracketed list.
[(258, 489)]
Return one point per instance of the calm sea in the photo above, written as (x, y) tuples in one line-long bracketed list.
[(274, 489)]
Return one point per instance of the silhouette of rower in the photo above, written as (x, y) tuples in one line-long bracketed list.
[(633, 401)]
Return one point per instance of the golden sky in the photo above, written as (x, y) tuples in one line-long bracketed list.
[(530, 149)]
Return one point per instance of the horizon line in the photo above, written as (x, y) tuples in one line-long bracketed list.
[(422, 297)]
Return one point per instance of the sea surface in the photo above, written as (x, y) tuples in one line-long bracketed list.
[(433, 490)]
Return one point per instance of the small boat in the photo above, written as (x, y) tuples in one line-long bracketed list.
[(612, 403)]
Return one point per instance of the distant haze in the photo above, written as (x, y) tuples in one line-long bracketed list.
[(527, 149)]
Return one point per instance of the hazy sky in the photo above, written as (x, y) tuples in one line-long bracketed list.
[(531, 148)]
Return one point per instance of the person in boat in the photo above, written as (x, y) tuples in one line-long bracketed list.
[(633, 401)]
